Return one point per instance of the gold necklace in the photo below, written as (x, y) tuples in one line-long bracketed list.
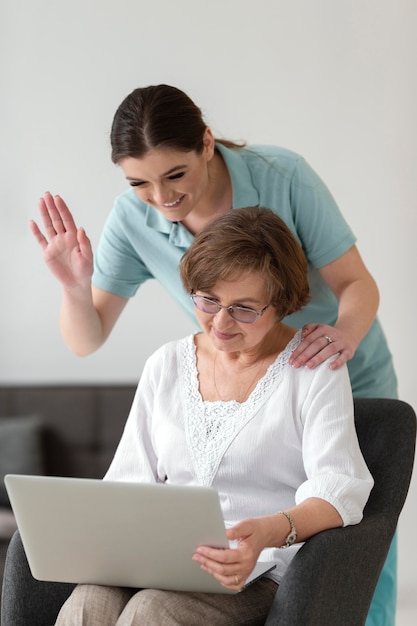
[(245, 396)]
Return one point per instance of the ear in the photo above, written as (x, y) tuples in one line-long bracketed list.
[(208, 142)]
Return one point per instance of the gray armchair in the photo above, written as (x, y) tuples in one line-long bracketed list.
[(332, 578)]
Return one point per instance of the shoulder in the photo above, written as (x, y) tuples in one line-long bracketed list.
[(268, 151), (275, 162), (283, 162), (324, 382), (262, 156), (321, 375), (168, 353)]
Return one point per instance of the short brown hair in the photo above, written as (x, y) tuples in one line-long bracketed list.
[(249, 239)]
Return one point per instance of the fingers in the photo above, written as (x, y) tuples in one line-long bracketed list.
[(50, 216), (308, 328), (222, 557), (34, 228), (231, 575), (230, 567), (341, 360), (320, 342), (83, 242), (55, 215)]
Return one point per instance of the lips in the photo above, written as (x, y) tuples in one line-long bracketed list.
[(224, 336)]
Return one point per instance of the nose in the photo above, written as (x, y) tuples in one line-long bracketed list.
[(159, 195), (223, 319)]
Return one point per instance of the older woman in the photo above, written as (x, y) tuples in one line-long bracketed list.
[(225, 408)]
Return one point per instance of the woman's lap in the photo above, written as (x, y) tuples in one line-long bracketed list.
[(109, 606)]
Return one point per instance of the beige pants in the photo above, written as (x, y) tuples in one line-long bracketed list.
[(93, 605)]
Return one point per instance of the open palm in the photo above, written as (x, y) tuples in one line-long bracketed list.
[(66, 249)]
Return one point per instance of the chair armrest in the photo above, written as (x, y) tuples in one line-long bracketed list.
[(26, 600), (328, 571)]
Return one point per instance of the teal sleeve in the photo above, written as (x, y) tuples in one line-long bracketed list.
[(118, 266), (319, 223)]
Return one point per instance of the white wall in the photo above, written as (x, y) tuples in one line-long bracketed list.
[(335, 81)]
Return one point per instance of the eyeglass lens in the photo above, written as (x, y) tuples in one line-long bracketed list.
[(240, 314)]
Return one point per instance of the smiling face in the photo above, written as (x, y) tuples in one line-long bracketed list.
[(225, 333), (173, 182)]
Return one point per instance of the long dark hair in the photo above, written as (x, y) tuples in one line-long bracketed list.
[(157, 117)]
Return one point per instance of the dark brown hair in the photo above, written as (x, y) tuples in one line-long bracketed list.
[(156, 117), (249, 240)]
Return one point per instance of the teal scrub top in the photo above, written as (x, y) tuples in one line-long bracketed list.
[(138, 243)]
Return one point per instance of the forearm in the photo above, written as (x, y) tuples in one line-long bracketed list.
[(310, 517), (358, 299), (357, 295), (232, 566), (358, 306), (80, 324)]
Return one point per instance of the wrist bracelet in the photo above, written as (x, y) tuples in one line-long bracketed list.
[(292, 537)]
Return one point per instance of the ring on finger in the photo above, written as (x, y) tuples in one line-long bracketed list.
[(237, 579), (328, 339)]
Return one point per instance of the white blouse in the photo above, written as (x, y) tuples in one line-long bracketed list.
[(292, 439)]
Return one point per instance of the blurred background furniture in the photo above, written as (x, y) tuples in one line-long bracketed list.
[(332, 578)]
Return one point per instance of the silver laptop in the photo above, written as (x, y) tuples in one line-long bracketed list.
[(117, 533)]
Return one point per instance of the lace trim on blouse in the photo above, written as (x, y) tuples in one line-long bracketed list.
[(210, 427)]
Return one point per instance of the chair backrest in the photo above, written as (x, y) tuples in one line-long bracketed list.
[(333, 577), (387, 435)]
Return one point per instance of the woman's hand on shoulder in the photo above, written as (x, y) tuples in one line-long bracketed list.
[(319, 342), (66, 249)]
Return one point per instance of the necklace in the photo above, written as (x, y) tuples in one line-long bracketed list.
[(247, 389)]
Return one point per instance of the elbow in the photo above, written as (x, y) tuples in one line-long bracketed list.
[(81, 349), (373, 287), (82, 352)]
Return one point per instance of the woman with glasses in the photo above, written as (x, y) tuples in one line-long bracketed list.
[(180, 179), (224, 408)]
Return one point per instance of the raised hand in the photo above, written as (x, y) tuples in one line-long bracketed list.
[(66, 249)]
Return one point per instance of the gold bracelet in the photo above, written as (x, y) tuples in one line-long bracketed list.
[(292, 537)]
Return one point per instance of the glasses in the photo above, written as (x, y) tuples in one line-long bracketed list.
[(239, 313)]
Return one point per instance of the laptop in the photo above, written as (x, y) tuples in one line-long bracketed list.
[(119, 533)]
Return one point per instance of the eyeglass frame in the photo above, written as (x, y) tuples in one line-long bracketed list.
[(230, 309)]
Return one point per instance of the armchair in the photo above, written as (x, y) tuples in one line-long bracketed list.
[(331, 579)]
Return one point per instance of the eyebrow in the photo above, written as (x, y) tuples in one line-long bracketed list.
[(176, 168)]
